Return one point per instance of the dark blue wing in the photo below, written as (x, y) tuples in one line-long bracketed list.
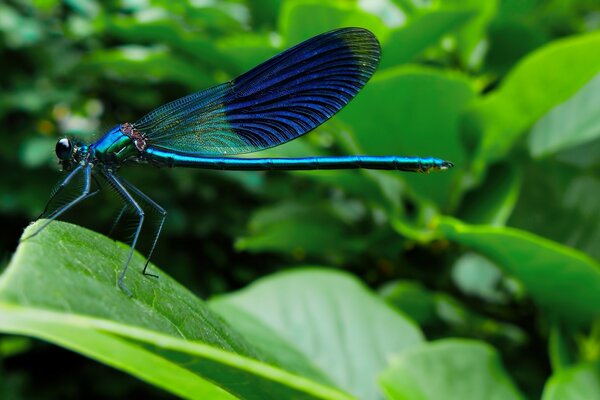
[(277, 101)]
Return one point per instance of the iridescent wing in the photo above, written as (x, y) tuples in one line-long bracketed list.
[(277, 101)]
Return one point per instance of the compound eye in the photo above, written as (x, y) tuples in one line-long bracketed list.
[(64, 148)]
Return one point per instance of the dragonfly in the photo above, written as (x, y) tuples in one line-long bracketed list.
[(278, 101)]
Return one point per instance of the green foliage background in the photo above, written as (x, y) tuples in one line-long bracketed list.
[(476, 282)]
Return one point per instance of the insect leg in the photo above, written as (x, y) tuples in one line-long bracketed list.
[(161, 212), (58, 189), (128, 199), (85, 193)]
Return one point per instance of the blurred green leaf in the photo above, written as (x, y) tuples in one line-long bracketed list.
[(562, 280), (217, 18), (88, 8), (558, 202), (424, 30), (583, 156), (166, 31), (381, 190), (561, 356), (411, 298), (332, 318), (448, 369), (542, 80), (571, 123), (441, 315), (246, 51), (494, 201), (579, 382), (324, 17), (471, 35), (34, 152), (18, 30), (300, 229), (265, 12), (509, 40), (477, 276), (163, 334), (413, 111), (142, 64), (13, 345)]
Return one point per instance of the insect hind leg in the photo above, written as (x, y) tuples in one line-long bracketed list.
[(158, 209), (129, 200)]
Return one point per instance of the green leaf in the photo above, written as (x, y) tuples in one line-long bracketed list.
[(448, 369), (412, 299), (578, 382), (542, 80), (413, 111), (87, 338), (493, 202), (442, 315), (246, 51), (558, 202), (61, 287), (265, 12), (569, 124), (268, 341), (300, 229), (583, 156), (561, 355), (141, 64), (13, 345), (510, 39), (34, 152), (170, 32), (472, 34), (331, 318), (562, 280), (323, 18), (478, 277), (424, 30)]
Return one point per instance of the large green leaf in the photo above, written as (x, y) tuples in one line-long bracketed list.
[(448, 369), (542, 80), (269, 342), (562, 280), (330, 317), (576, 383), (572, 123), (413, 111), (61, 287)]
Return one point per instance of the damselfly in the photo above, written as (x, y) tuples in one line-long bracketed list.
[(274, 103)]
